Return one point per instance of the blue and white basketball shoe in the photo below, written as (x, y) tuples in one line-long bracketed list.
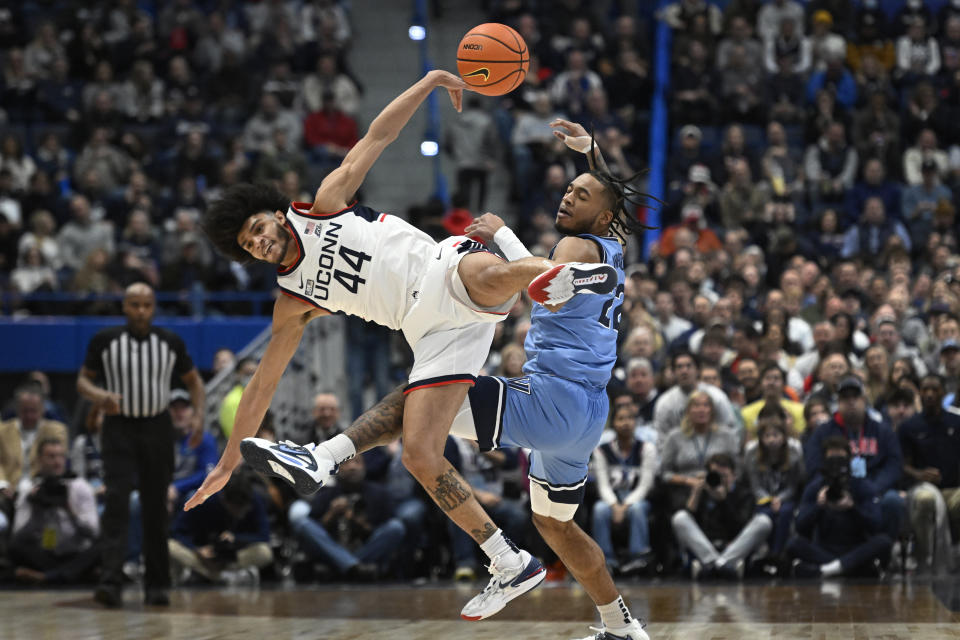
[(506, 584), (562, 282), (633, 631), (306, 468)]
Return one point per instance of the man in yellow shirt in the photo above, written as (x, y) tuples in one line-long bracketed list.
[(772, 381)]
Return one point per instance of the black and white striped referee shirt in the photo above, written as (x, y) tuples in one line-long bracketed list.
[(139, 369)]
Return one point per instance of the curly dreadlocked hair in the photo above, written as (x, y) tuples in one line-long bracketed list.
[(224, 218), (621, 192)]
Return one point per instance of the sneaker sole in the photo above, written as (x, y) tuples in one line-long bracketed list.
[(531, 583), (260, 459)]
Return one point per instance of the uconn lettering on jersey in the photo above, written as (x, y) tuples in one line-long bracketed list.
[(330, 247)]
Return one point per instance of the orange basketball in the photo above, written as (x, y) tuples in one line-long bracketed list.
[(493, 59)]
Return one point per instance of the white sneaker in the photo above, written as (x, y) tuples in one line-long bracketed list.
[(505, 585), (633, 632), (562, 282), (306, 468)]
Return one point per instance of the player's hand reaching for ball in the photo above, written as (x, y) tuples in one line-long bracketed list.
[(572, 134), (484, 228), (452, 83)]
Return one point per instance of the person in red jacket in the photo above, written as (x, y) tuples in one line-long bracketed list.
[(329, 133)]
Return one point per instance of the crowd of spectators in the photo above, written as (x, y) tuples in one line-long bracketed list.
[(786, 396), (118, 124)]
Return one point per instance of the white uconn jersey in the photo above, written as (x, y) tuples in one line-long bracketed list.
[(357, 261)]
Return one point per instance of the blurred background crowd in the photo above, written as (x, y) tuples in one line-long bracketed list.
[(785, 401)]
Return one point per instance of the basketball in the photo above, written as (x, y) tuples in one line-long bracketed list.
[(493, 59)]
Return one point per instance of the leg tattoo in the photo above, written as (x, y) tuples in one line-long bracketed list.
[(450, 493), (482, 535), (380, 425)]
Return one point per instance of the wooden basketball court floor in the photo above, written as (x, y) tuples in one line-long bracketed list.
[(896, 609)]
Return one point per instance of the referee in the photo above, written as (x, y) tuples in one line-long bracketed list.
[(137, 364)]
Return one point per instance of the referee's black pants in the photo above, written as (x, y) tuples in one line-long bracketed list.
[(136, 452)]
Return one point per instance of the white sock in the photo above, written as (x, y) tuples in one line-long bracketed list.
[(831, 568), (340, 447), (500, 545), (615, 615)]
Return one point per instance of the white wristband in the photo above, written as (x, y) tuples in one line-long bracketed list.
[(510, 244)]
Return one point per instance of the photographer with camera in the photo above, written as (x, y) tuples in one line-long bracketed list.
[(838, 523), (55, 525), (718, 525), (229, 532), (350, 525), (875, 450)]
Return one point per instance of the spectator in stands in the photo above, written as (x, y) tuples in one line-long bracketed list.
[(926, 111), (772, 15), (329, 134), (837, 80), (917, 53), (326, 421), (742, 201), (870, 42), (717, 524), (787, 49), (570, 87), (229, 533), (920, 201), (218, 38), (195, 456), (887, 330), (834, 366), (873, 184), (740, 33), (53, 539), (782, 165), (350, 525), (228, 407), (85, 459), (258, 130), (110, 164), (830, 166), (839, 523), (624, 469), (640, 382), (931, 447), (925, 150), (876, 130), (666, 319), (868, 240), (774, 467), (13, 159), (741, 88), (877, 368), (785, 93), (877, 455), (143, 93), (688, 154), (773, 388), (31, 428), (472, 144), (687, 447), (824, 43), (327, 79), (900, 407), (693, 88)]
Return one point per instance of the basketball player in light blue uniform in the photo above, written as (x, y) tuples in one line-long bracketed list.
[(557, 409)]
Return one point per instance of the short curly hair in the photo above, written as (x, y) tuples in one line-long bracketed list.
[(225, 216)]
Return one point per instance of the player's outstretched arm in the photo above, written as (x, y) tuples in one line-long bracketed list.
[(289, 319), (339, 187), (576, 137)]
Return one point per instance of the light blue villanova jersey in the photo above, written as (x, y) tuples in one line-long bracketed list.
[(579, 342)]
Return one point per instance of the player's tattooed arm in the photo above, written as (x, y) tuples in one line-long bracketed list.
[(380, 425), (450, 491)]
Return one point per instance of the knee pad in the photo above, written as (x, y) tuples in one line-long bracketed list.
[(542, 505)]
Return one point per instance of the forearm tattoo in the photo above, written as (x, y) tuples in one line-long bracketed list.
[(482, 535), (449, 493), (380, 425)]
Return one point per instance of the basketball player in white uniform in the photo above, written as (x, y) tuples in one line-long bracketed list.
[(334, 256)]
